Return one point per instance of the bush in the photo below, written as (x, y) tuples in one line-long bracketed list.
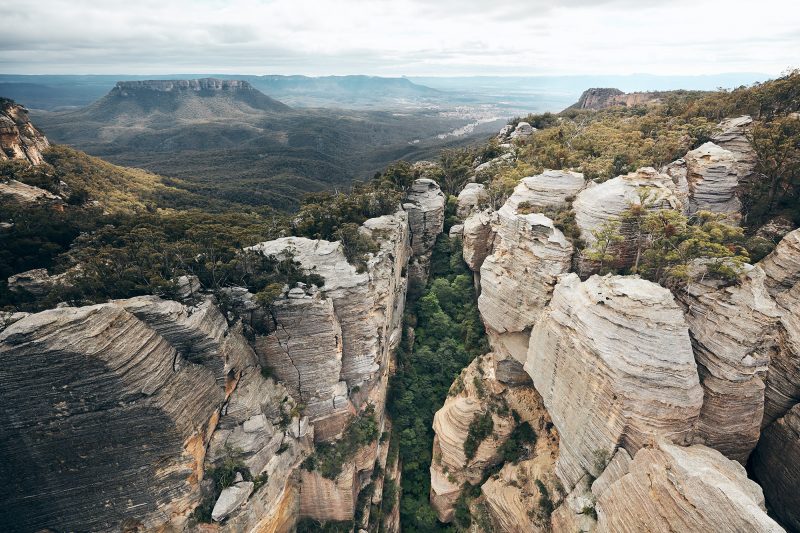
[(481, 427)]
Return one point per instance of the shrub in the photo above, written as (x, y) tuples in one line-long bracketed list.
[(481, 427)]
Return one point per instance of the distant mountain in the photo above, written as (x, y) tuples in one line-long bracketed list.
[(227, 140)]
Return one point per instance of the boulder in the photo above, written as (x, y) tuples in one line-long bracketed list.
[(522, 131), (37, 282), (473, 197), (477, 239), (550, 190), (672, 488), (517, 279), (713, 179), (589, 353), (231, 499), (100, 408), (733, 330), (776, 466), (597, 205)]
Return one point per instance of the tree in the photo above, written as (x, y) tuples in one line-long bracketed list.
[(777, 147), (606, 237)]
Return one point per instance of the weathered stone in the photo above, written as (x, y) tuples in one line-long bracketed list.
[(18, 138), (617, 346), (478, 239), (550, 190), (522, 131), (231, 499), (782, 265), (575, 514), (473, 197), (604, 97), (733, 335), (36, 282), (598, 205), (783, 377), (776, 466), (27, 194), (713, 179), (732, 136), (518, 277), (424, 204), (100, 408), (672, 488)]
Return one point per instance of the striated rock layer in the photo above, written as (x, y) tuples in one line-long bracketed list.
[(733, 335), (618, 346), (671, 488), (104, 422), (712, 174), (424, 204), (18, 138), (782, 265)]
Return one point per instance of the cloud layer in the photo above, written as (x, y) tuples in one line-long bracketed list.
[(399, 37)]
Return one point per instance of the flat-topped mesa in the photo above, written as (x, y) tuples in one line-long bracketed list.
[(669, 488), (124, 88), (734, 333), (600, 204), (713, 180), (604, 97), (517, 279), (625, 340), (19, 139), (131, 430)]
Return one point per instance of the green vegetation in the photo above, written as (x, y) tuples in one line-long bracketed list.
[(309, 525), (520, 443), (330, 458), (223, 476), (480, 428), (448, 334)]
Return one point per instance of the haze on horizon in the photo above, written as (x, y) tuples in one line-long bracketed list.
[(399, 37)]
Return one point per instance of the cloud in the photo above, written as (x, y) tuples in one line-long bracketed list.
[(394, 37)]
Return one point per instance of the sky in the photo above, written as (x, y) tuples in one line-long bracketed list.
[(399, 37)]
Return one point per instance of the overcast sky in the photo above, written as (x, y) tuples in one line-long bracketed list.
[(399, 37)]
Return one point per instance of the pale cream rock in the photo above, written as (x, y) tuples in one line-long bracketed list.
[(552, 189), (672, 488), (477, 239), (618, 346), (713, 178), (473, 197), (26, 194), (782, 265), (231, 499), (424, 204)]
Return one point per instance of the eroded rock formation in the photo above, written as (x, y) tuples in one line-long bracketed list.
[(712, 174), (602, 98), (19, 139), (589, 354), (424, 204)]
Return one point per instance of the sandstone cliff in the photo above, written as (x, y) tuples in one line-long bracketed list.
[(424, 204), (19, 139), (602, 98)]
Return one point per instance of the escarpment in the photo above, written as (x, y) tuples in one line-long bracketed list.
[(19, 139)]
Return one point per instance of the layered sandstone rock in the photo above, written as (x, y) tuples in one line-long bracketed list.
[(782, 389), (776, 466), (598, 205), (782, 265), (37, 282), (27, 194), (107, 422), (618, 346), (550, 190), (424, 204), (713, 179), (472, 197), (477, 239), (732, 136), (733, 335), (475, 393), (516, 280), (18, 138), (673, 488), (604, 97)]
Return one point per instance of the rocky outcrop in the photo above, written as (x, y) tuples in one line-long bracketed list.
[(733, 332), (782, 389), (104, 422), (782, 265), (732, 136), (18, 138), (522, 131), (477, 239), (602, 98), (475, 393), (713, 179), (37, 282), (516, 280), (776, 466), (473, 197), (424, 204), (550, 190), (598, 205), (673, 488), (27, 194), (643, 379)]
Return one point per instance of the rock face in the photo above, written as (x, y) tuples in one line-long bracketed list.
[(605, 203), (37, 282), (471, 198), (425, 207), (18, 138), (27, 194), (733, 335), (672, 488), (104, 421), (776, 465), (479, 394), (552, 189), (732, 136), (602, 98), (516, 280), (782, 265), (713, 178), (523, 130), (589, 354), (477, 239), (782, 390)]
